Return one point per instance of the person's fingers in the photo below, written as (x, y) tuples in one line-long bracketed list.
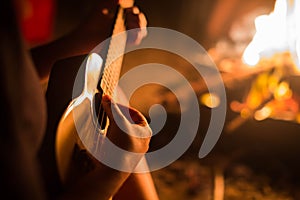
[(133, 115), (142, 30), (142, 20), (132, 18), (119, 112), (135, 10), (126, 3), (111, 109), (136, 22), (133, 123)]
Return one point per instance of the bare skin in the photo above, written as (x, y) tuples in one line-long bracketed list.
[(91, 186)]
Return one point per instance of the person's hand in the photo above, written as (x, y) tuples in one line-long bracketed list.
[(134, 19), (128, 128), (131, 133), (90, 32)]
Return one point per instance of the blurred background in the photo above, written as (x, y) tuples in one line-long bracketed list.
[(256, 156)]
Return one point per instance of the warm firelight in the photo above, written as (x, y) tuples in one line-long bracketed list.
[(210, 100), (275, 33), (283, 91)]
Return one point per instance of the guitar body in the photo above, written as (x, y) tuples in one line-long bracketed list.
[(58, 96), (73, 149)]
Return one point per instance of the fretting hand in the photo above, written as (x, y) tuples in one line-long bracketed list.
[(134, 19), (91, 31)]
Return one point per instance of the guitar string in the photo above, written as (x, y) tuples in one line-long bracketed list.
[(105, 78), (111, 68), (110, 81)]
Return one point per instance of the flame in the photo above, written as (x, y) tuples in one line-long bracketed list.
[(210, 100), (277, 32), (283, 91), (263, 113)]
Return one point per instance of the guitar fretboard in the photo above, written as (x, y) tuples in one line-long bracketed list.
[(114, 59)]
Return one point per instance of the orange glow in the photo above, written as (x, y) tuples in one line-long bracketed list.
[(263, 113), (210, 100), (245, 113), (298, 118), (283, 91)]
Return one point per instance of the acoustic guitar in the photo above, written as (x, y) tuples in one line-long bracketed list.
[(75, 145)]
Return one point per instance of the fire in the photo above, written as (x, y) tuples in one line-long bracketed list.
[(277, 32), (275, 51), (283, 91), (210, 100)]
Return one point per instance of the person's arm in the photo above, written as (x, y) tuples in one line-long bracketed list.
[(81, 40), (91, 32), (138, 186), (103, 182), (22, 115)]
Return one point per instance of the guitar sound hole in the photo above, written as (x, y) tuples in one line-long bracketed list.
[(101, 115)]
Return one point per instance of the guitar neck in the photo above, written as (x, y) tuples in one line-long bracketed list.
[(114, 58)]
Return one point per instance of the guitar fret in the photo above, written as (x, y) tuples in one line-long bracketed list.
[(114, 59)]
